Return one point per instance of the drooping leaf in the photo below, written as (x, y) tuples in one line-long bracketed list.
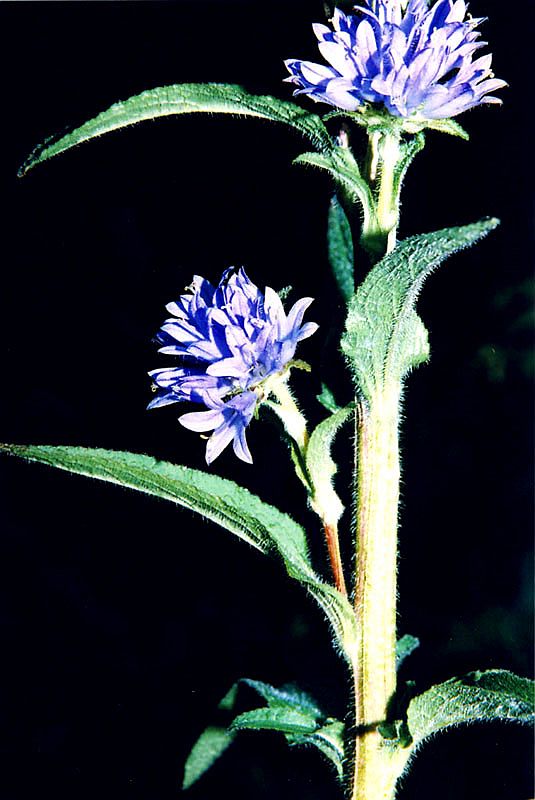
[(211, 744), (342, 166), (321, 467), (218, 499), (404, 647), (477, 697), (384, 336), (288, 711), (215, 498), (340, 249), (187, 98)]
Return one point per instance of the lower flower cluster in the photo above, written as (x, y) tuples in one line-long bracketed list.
[(234, 341)]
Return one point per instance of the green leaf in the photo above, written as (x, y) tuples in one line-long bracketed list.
[(404, 647), (215, 498), (341, 164), (287, 697), (187, 98), (329, 739), (340, 249), (384, 336), (321, 468), (285, 720), (327, 399), (477, 697), (211, 744), (218, 499), (289, 711), (409, 150)]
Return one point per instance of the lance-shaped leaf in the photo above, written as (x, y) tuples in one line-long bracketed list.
[(477, 697), (218, 499), (288, 711), (342, 166), (384, 336), (321, 468), (187, 98), (340, 249)]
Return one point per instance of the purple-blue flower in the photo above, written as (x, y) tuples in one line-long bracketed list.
[(415, 60), (234, 341)]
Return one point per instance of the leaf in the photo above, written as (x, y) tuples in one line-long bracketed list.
[(215, 498), (477, 697), (287, 697), (218, 499), (341, 164), (289, 711), (285, 720), (186, 98), (340, 249), (321, 467), (404, 647), (408, 151), (211, 744), (327, 399), (384, 336)]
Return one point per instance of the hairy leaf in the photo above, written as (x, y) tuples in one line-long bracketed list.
[(321, 467), (285, 720), (218, 499), (187, 98), (384, 336), (341, 164), (327, 399), (340, 249), (211, 744), (477, 697), (289, 711)]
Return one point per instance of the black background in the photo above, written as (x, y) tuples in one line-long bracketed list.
[(123, 621)]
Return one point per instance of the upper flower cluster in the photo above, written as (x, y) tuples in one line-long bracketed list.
[(233, 339), (413, 59)]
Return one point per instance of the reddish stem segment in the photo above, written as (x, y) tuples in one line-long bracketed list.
[(333, 547)]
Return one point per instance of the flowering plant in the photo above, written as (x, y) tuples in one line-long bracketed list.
[(395, 69)]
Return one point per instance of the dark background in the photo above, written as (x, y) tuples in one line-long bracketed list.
[(123, 620)]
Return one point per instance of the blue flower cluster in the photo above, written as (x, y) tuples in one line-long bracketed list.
[(234, 341), (413, 59)]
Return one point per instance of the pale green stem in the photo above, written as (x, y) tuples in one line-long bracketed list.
[(377, 471), (384, 153), (295, 425), (376, 767)]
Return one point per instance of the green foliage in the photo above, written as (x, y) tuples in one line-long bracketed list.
[(477, 697), (218, 499), (211, 744), (327, 399), (288, 711), (342, 166), (384, 336), (321, 468), (376, 120), (404, 647), (340, 249), (186, 98)]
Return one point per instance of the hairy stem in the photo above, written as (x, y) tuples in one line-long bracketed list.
[(333, 549), (377, 474), (383, 156)]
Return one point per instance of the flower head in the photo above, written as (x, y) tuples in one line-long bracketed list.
[(414, 60), (234, 341)]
